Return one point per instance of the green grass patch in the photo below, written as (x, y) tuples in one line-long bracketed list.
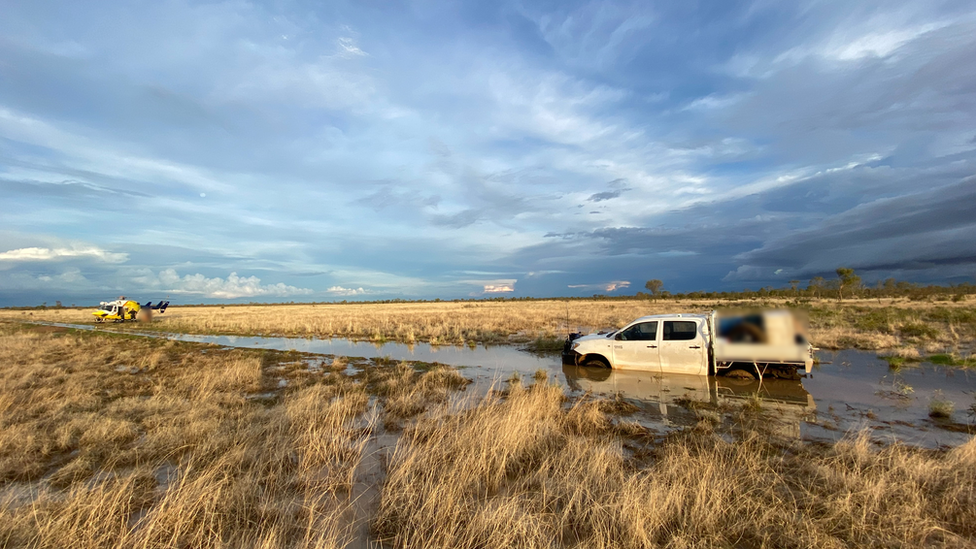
[(945, 359), (919, 330), (894, 362), (875, 321), (546, 345)]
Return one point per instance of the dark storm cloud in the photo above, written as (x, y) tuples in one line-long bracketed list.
[(912, 232)]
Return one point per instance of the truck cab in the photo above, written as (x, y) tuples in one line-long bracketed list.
[(675, 343)]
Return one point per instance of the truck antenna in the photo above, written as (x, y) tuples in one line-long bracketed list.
[(567, 319)]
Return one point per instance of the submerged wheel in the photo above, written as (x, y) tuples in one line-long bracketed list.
[(595, 362), (742, 373)]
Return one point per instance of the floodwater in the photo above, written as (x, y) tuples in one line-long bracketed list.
[(849, 391)]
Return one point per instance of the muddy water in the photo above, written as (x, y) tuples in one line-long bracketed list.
[(851, 391), (848, 392)]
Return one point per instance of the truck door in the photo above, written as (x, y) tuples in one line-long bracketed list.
[(635, 348), (682, 347)]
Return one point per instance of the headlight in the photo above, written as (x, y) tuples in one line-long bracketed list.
[(574, 346)]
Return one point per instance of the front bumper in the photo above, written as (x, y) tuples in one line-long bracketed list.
[(569, 355)]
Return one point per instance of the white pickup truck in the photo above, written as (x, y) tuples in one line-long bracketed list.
[(766, 344)]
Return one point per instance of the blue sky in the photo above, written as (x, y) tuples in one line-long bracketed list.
[(289, 150)]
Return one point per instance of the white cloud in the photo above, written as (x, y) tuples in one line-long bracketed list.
[(339, 290), (603, 286), (348, 47), (498, 288), (713, 101), (617, 285), (233, 287), (877, 44), (501, 286), (54, 254)]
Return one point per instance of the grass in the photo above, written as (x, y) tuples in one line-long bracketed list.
[(940, 407), (861, 324), (108, 441), (152, 443), (895, 362), (529, 471), (945, 359)]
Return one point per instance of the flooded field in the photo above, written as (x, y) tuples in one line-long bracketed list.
[(847, 392), (125, 437)]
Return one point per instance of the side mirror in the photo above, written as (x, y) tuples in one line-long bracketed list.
[(618, 336)]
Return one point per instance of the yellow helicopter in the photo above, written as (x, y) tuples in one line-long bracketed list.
[(121, 310)]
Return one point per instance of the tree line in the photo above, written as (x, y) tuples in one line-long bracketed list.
[(847, 285)]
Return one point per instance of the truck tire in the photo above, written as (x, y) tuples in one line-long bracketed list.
[(741, 373), (595, 362)]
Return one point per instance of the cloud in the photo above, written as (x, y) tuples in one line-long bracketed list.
[(232, 287), (617, 285), (605, 195), (56, 254), (918, 231), (339, 290), (348, 47), (500, 286), (604, 286), (397, 148)]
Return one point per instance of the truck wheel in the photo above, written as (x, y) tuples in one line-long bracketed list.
[(595, 362), (741, 373)]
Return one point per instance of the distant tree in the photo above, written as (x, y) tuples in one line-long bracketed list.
[(816, 285), (848, 280), (57, 304), (890, 284), (654, 286), (793, 285)]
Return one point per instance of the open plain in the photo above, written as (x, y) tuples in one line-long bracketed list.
[(901, 326), (112, 440)]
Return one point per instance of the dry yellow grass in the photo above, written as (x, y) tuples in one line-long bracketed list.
[(529, 472), (109, 441), (134, 443), (866, 324)]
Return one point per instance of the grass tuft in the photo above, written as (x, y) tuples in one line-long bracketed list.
[(940, 407)]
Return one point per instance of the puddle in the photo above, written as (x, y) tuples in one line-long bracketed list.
[(504, 357), (857, 385), (850, 391)]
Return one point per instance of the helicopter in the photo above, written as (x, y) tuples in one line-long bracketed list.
[(122, 310)]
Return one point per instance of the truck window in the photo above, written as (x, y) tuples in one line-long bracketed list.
[(679, 330), (645, 331)]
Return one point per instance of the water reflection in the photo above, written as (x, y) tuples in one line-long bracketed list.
[(676, 399)]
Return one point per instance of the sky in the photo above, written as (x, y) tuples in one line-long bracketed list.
[(320, 151)]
